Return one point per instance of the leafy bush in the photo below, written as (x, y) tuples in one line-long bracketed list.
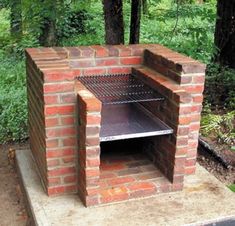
[(220, 87), (219, 127), (188, 29), (13, 104)]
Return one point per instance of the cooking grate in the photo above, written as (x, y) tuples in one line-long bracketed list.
[(119, 89)]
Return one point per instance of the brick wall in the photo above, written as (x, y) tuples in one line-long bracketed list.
[(52, 98)]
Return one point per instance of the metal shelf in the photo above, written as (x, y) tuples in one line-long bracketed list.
[(126, 121), (119, 89)]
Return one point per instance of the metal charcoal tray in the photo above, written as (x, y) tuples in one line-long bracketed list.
[(122, 116), (119, 89)]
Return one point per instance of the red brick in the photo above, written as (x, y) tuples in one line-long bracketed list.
[(68, 160), (91, 201), (59, 153), (93, 152), (181, 131), (190, 162), (86, 51), (190, 170), (60, 76), (184, 120), (61, 110), (92, 172), (195, 89), (92, 130), (198, 98), (92, 162), (94, 71), (82, 63), (68, 120), (61, 189), (53, 162), (194, 126), (54, 181), (177, 187), (120, 180), (93, 105), (191, 153), (193, 143), (131, 60), (92, 191), (142, 193), (51, 122), (119, 70), (107, 62), (114, 198), (100, 51), (181, 150), (93, 119), (52, 143), (199, 79), (67, 98), (111, 167), (61, 171), (60, 132), (107, 175), (73, 52), (113, 191), (70, 179), (58, 88), (141, 186), (51, 99), (71, 141), (124, 50), (92, 141)]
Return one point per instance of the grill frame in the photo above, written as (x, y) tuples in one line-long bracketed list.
[(119, 89)]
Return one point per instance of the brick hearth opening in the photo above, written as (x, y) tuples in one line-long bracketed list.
[(65, 119)]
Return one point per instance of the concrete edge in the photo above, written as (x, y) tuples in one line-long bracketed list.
[(41, 219)]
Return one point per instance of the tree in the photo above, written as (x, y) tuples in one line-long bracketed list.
[(135, 21), (114, 25), (16, 18), (225, 33), (48, 35)]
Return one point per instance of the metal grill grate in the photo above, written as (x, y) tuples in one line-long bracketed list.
[(119, 89)]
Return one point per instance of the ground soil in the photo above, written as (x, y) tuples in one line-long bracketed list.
[(214, 166), (12, 207)]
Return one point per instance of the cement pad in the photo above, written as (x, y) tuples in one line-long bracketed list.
[(204, 200)]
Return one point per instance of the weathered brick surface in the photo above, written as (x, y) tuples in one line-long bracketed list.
[(64, 138)]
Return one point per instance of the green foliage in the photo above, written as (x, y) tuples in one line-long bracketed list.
[(232, 187), (220, 86), (219, 127), (188, 28), (13, 104)]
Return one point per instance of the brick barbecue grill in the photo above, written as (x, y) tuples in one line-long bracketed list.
[(113, 123)]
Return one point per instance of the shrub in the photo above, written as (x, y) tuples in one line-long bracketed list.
[(13, 101)]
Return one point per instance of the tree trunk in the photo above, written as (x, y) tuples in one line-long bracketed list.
[(225, 33), (114, 25), (48, 35), (16, 18), (135, 21)]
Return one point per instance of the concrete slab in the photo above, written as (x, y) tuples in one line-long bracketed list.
[(204, 200)]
